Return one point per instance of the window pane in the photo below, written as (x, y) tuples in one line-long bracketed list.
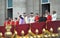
[(9, 3), (44, 1)]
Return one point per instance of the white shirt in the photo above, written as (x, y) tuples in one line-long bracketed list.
[(26, 20), (54, 17), (31, 19)]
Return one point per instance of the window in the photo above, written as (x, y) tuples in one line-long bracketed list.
[(45, 1), (9, 3), (10, 12)]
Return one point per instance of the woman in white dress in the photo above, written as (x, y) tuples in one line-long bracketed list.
[(54, 16)]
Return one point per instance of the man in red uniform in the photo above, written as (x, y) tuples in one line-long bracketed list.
[(7, 21), (49, 17), (36, 17), (16, 21), (12, 22)]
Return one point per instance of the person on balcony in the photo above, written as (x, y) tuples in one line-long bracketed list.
[(31, 18), (37, 17), (54, 16), (46, 13), (12, 22), (42, 18), (49, 17), (16, 21), (21, 20), (25, 18), (7, 22)]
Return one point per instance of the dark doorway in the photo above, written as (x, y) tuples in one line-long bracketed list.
[(10, 13), (45, 7)]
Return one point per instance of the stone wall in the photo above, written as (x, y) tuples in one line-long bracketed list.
[(19, 6), (32, 6), (2, 12), (25, 6)]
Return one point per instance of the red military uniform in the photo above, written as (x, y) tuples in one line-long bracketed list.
[(7, 23), (49, 18), (16, 22), (36, 18), (12, 23)]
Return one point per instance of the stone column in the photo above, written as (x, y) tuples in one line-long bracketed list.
[(2, 11)]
